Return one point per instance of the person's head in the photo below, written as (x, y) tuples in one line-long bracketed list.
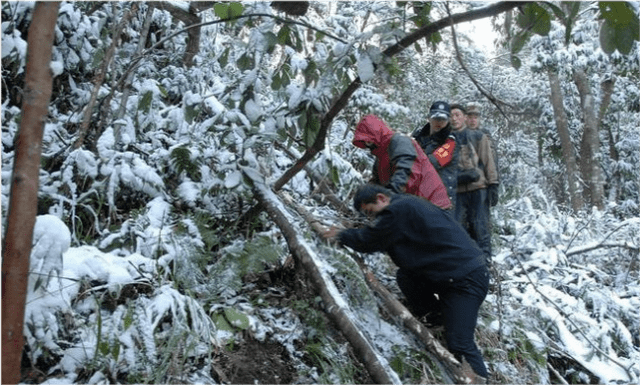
[(473, 115), (458, 117), (371, 133), (371, 198), (439, 114)]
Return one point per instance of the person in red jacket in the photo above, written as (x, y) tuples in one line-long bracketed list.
[(401, 165)]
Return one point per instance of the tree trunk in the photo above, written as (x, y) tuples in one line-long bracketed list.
[(337, 310), (590, 168), (23, 199), (188, 18), (568, 152)]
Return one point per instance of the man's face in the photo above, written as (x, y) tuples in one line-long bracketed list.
[(473, 120), (372, 209), (458, 119), (438, 124)]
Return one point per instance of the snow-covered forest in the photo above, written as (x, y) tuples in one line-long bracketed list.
[(191, 150)]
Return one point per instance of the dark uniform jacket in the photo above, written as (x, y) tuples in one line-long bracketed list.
[(443, 153), (420, 238), (401, 165)]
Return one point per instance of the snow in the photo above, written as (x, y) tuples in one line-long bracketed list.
[(568, 282)]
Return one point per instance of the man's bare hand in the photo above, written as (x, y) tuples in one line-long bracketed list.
[(331, 234)]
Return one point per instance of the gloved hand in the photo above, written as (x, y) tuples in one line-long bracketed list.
[(467, 176), (492, 194)]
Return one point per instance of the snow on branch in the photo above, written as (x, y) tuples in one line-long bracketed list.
[(337, 309)]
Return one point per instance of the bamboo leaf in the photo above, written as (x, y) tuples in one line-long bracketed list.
[(221, 10)]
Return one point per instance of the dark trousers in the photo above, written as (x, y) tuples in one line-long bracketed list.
[(458, 301), (472, 212)]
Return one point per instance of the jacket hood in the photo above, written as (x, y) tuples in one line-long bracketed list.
[(372, 129)]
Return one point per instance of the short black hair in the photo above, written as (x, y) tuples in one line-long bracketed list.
[(368, 193), (459, 107)]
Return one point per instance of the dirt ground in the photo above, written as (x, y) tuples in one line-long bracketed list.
[(256, 362)]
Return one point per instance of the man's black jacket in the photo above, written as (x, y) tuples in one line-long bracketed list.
[(420, 238)]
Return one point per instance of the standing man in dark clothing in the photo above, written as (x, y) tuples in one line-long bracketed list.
[(477, 175), (440, 266), (400, 165), (439, 144)]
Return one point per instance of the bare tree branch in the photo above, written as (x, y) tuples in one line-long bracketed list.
[(479, 86)]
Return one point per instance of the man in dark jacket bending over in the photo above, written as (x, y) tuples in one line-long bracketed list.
[(435, 255)]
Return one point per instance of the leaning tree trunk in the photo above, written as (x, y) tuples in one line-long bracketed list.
[(568, 153), (23, 199), (590, 168), (341, 315)]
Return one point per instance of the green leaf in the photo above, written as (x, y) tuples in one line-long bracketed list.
[(518, 41), (221, 10), (311, 128), (276, 82), (104, 348), (128, 318), (245, 62), (620, 28), (284, 35), (535, 18), (221, 323), (614, 37), (311, 73), (335, 175), (271, 41), (556, 10), (145, 103), (115, 350), (435, 38), (237, 318), (235, 9), (418, 48), (224, 58), (515, 62), (617, 11)]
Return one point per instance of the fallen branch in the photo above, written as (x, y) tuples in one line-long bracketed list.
[(336, 307), (594, 246), (460, 373)]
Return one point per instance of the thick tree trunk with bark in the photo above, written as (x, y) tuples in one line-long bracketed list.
[(591, 171), (23, 203), (568, 153)]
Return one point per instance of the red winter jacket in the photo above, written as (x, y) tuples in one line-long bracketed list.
[(401, 165)]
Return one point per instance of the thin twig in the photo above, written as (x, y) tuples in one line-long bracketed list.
[(479, 86)]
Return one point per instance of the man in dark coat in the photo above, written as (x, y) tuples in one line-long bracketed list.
[(440, 266), (400, 165), (439, 144)]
